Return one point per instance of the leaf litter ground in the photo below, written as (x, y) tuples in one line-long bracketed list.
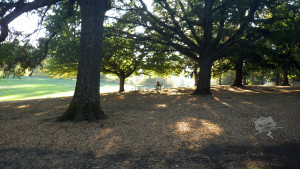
[(169, 128)]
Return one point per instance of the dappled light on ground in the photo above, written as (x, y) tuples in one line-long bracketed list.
[(195, 132), (23, 106), (224, 103), (254, 105), (102, 134), (254, 164), (191, 129), (104, 142), (41, 114), (161, 105), (211, 110), (112, 142), (210, 127), (183, 127), (252, 89)]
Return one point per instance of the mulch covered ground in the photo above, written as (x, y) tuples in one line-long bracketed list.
[(148, 129)]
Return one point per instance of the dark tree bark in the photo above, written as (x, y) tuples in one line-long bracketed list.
[(285, 80), (122, 74), (278, 79), (203, 87), (196, 73), (85, 104), (238, 74), (122, 83), (220, 75), (244, 80), (245, 75)]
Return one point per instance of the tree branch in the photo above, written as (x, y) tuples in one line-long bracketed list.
[(221, 26), (240, 31), (17, 11), (207, 25), (223, 5), (161, 31), (189, 23), (175, 30)]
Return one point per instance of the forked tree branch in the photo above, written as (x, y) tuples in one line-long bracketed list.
[(18, 8), (239, 32)]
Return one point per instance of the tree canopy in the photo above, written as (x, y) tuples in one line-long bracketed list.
[(85, 104), (172, 35), (199, 29)]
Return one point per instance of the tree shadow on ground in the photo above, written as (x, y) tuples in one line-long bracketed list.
[(212, 156), (260, 89), (180, 121)]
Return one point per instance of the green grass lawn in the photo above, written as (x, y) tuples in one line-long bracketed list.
[(34, 87), (45, 87)]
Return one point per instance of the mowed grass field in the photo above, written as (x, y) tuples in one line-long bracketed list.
[(27, 88), (35, 87)]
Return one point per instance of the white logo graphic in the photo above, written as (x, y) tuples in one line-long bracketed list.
[(265, 125)]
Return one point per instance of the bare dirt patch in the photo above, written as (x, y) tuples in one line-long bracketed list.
[(166, 129)]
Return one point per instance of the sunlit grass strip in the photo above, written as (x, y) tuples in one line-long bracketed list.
[(43, 87), (34, 88)]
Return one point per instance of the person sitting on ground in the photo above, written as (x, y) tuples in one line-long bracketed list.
[(158, 85)]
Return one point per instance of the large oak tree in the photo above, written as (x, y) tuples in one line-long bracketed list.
[(85, 104), (199, 29)]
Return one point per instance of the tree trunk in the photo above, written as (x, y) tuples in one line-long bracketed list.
[(122, 82), (238, 74), (244, 80), (285, 79), (85, 104), (196, 73), (203, 87), (220, 75), (277, 78)]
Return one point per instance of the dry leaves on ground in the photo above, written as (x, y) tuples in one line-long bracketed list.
[(160, 121)]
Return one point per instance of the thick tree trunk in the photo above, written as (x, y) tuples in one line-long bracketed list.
[(85, 104), (244, 80), (278, 79), (196, 73), (122, 83), (203, 87), (238, 74), (285, 79)]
